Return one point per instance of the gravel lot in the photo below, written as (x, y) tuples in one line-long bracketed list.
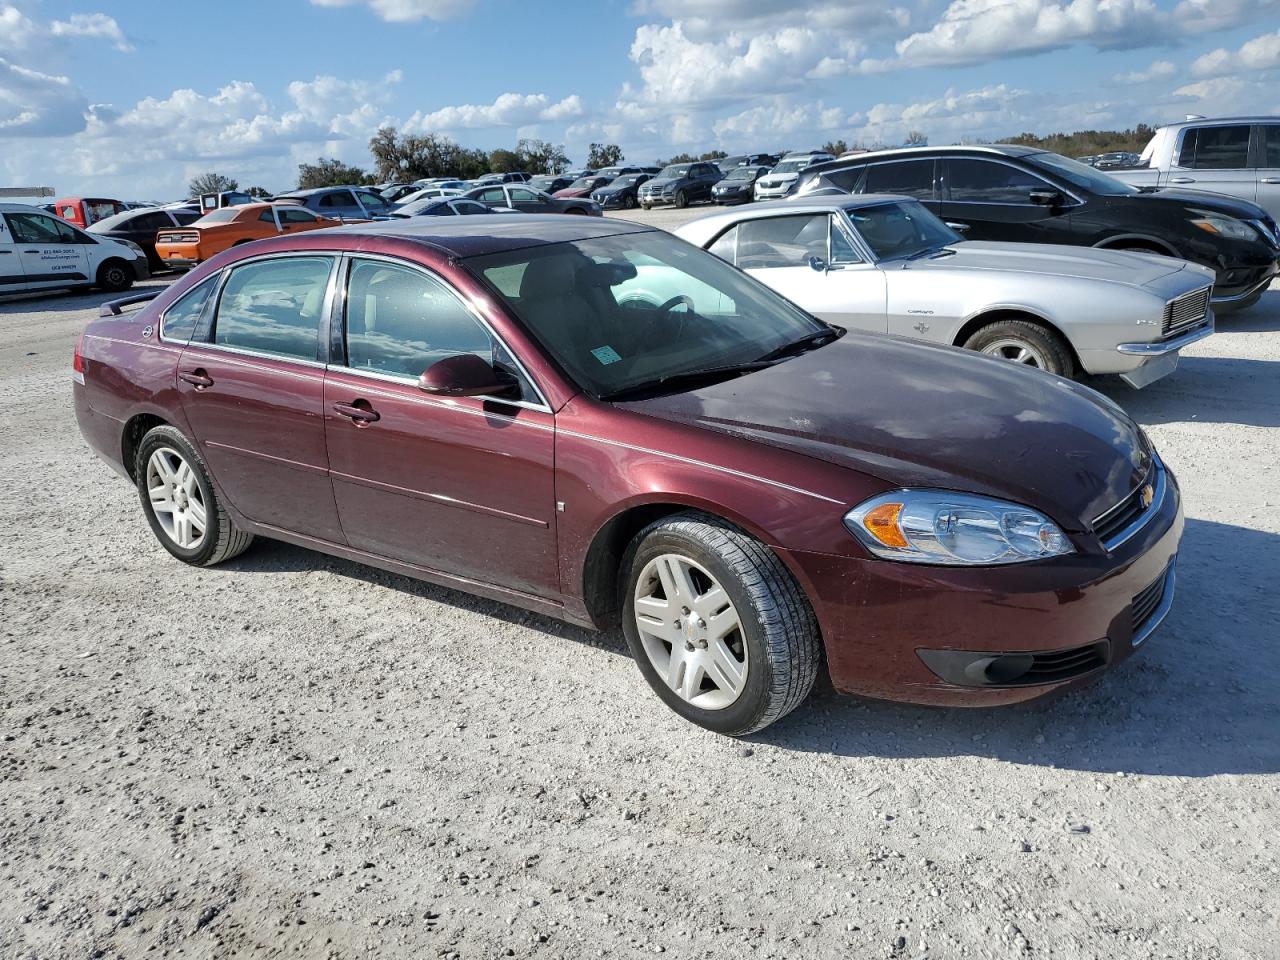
[(291, 755)]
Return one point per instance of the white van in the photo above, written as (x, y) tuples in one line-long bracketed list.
[(39, 251)]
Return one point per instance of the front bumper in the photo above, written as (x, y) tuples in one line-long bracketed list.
[(882, 620), (1237, 282), (726, 198), (1159, 358), (141, 269), (774, 193), (657, 199)]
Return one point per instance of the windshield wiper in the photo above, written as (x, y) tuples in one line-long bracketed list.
[(685, 378), (814, 339), (931, 252)]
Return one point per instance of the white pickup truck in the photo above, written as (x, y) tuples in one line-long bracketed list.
[(1238, 156)]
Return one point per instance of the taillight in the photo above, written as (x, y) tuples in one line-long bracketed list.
[(77, 359)]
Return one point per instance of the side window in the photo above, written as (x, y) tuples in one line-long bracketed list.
[(274, 306), (986, 181), (846, 180), (1215, 148), (151, 221), (1271, 145), (726, 246), (39, 228), (842, 248), (523, 196), (341, 198), (782, 241), (185, 218), (494, 195), (266, 216), (296, 215), (373, 203), (179, 321), (468, 207), (912, 178), (443, 210), (400, 321)]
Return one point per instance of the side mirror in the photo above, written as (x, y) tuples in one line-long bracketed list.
[(1046, 198), (818, 264), (464, 375)]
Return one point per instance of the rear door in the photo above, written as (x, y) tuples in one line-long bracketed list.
[(992, 199), (809, 259), (492, 197), (464, 485), (908, 178), (1268, 152), (526, 201), (1216, 158), (12, 276), (51, 253), (340, 204), (252, 387)]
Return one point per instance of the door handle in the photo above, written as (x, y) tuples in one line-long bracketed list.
[(958, 227), (357, 411), (1182, 180), (1270, 180), (197, 378)]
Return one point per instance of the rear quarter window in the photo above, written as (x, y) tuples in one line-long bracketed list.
[(179, 321)]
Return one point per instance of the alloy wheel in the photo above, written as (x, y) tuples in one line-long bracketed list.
[(176, 498), (1019, 351), (691, 632)]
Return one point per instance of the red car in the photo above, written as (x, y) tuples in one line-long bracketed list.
[(583, 187), (600, 422)]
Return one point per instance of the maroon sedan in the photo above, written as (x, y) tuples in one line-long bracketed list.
[(600, 422)]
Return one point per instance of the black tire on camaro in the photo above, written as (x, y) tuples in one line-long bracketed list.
[(115, 276), (717, 624), (180, 503), (1024, 341)]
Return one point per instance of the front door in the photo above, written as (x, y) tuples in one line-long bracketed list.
[(991, 200), (526, 201), (463, 485), (252, 388), (1216, 158), (49, 251), (810, 260)]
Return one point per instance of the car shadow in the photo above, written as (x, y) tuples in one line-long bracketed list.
[(61, 301), (1201, 699), (1206, 389), (1262, 317), (275, 556)]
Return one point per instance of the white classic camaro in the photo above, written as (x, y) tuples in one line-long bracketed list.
[(886, 264)]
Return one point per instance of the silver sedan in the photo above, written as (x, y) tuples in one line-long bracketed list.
[(886, 264)]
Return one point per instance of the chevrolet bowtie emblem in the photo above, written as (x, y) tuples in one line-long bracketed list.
[(1147, 495)]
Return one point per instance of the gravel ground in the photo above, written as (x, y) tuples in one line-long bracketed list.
[(291, 755)]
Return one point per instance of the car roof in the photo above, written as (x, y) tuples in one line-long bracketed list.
[(1210, 121), (468, 237), (318, 190), (819, 204), (998, 149)]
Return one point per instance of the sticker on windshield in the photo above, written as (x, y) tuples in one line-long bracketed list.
[(606, 355)]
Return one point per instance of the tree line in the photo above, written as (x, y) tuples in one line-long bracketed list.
[(407, 157)]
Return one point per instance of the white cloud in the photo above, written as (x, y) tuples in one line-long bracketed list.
[(1159, 70), (508, 110), (92, 25), (406, 11), (782, 116), (1260, 53), (35, 104)]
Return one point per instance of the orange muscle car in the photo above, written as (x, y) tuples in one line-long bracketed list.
[(232, 226)]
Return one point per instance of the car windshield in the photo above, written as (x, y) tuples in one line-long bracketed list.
[(901, 229), (586, 183), (1081, 175), (674, 171), (625, 181), (225, 215), (617, 312), (790, 166), (742, 173)]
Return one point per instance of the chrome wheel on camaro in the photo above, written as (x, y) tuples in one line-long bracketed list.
[(1018, 351)]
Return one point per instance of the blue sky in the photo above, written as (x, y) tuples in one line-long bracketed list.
[(132, 99)]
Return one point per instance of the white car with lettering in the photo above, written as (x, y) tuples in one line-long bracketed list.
[(39, 251)]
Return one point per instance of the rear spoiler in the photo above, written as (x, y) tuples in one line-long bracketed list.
[(112, 308)]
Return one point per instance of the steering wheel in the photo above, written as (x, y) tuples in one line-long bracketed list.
[(674, 302), (663, 315)]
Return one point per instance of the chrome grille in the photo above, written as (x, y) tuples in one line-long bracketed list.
[(1186, 310), (1147, 601), (1113, 526)]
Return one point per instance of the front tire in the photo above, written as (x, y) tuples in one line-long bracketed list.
[(682, 199), (179, 501), (1025, 342), (718, 626), (115, 276)]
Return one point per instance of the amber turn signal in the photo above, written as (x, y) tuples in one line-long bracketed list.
[(882, 523)]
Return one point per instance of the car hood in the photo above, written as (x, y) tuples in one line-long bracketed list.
[(1115, 266), (567, 194), (1218, 202), (915, 414), (780, 177)]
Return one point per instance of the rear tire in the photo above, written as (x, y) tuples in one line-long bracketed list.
[(628, 203), (1023, 341), (725, 636), (115, 276), (180, 503)]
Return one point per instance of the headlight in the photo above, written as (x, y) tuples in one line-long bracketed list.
[(1226, 227), (954, 529), (669, 188)]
